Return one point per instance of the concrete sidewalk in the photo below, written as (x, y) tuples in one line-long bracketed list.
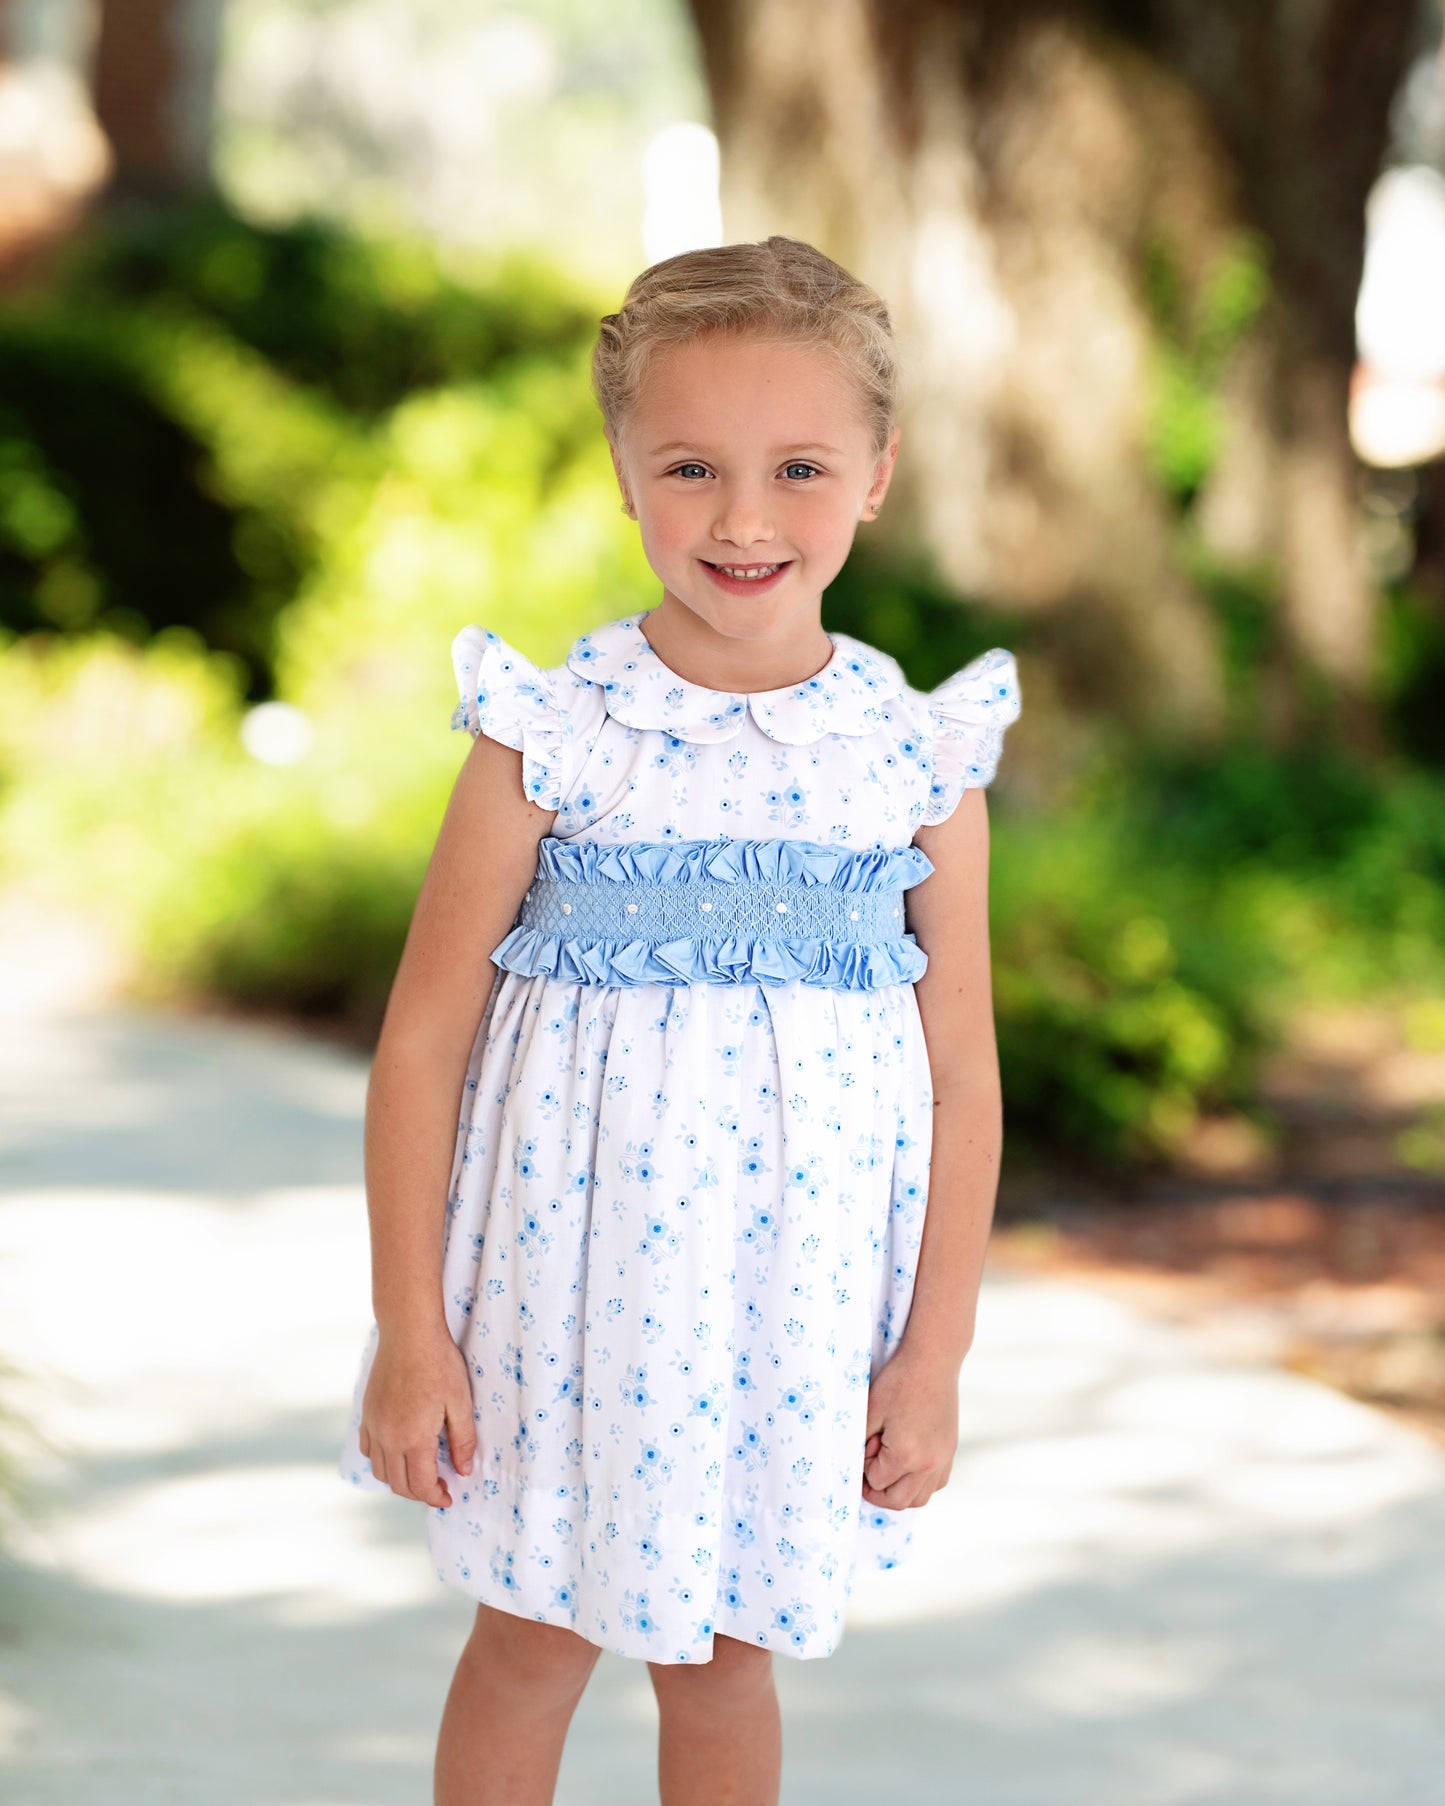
[(1157, 1576)]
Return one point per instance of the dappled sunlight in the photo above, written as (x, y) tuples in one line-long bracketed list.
[(17, 1725), (278, 1534), (1094, 1676), (1148, 1559), (1159, 1452)]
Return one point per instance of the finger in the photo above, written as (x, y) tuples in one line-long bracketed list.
[(403, 1483), (433, 1489), (890, 1466), (886, 1467), (424, 1483), (461, 1437), (885, 1495), (885, 1501), (891, 1500), (900, 1495)]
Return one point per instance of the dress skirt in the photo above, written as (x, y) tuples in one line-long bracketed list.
[(681, 1237)]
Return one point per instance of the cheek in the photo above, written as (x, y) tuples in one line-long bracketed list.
[(823, 529), (667, 527)]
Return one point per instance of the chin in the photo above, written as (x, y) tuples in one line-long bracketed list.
[(745, 617)]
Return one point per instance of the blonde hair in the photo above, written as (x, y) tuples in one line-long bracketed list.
[(778, 289)]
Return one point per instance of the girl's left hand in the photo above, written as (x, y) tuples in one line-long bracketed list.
[(911, 1433)]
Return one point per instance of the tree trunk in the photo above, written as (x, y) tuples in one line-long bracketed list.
[(1007, 175), (154, 82)]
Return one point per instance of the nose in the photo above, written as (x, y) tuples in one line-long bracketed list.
[(741, 519)]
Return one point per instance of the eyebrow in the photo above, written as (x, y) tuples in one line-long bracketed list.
[(677, 445)]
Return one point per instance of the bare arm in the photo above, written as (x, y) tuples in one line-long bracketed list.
[(948, 914), (912, 1429), (485, 857)]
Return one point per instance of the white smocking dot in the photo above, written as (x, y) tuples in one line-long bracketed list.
[(704, 905), (632, 909), (782, 909), (566, 909)]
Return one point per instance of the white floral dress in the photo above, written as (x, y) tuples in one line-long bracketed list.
[(692, 1158)]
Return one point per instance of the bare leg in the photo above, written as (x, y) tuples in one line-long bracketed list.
[(512, 1698), (721, 1737)]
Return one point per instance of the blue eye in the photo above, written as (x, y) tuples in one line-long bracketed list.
[(685, 467), (799, 466)]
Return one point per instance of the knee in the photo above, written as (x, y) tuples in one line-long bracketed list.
[(737, 1673), (539, 1661)]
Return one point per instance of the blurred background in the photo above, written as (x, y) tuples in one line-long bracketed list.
[(296, 301), (296, 304)]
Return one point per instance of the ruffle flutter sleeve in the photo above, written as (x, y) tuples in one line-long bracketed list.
[(968, 713), (508, 698)]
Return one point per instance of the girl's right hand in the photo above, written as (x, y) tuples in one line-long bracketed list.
[(417, 1385)]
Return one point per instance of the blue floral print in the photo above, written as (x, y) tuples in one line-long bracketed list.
[(684, 1217)]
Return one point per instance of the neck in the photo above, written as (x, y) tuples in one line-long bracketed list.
[(790, 653)]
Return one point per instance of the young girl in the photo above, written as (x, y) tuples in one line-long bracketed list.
[(689, 1347)]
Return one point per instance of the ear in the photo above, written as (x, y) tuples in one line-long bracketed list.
[(882, 476), (620, 474)]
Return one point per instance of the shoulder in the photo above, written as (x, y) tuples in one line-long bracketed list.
[(962, 722), (494, 675), (541, 711), (985, 690), (930, 746)]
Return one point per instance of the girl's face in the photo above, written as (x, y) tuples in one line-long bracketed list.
[(745, 455)]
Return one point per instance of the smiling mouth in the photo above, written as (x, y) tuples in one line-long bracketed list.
[(746, 573)]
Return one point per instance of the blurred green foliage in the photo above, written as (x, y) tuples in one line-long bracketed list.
[(901, 605), (364, 320), (89, 465), (185, 405), (1413, 671), (294, 464), (1150, 938), (1195, 336)]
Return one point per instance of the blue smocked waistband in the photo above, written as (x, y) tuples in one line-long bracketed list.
[(718, 912)]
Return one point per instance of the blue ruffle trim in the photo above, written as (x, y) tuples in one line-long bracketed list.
[(856, 966), (837, 965), (724, 861)]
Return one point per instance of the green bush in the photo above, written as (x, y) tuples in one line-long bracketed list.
[(1150, 938), (1117, 1018), (125, 775), (154, 474), (366, 320), (1413, 671), (185, 409)]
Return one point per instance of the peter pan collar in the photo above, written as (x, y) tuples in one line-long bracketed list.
[(845, 697)]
